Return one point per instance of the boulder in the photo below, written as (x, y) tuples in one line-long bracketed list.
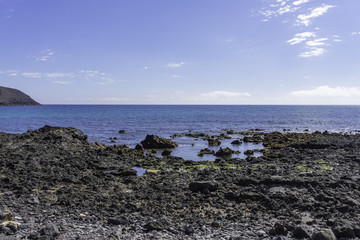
[(201, 186), (301, 232), (323, 234), (155, 142), (224, 152)]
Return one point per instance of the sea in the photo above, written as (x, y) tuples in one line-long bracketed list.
[(102, 122)]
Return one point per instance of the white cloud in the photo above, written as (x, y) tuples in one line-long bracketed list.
[(62, 82), (175, 65), (355, 33), (32, 74), (326, 91), (314, 51), (298, 2), (147, 67), (225, 94), (45, 55), (175, 76), (301, 37), (316, 42), (305, 19), (58, 75)]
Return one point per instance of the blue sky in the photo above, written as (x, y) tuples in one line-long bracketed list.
[(182, 51)]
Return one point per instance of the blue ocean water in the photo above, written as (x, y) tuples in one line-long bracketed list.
[(100, 122)]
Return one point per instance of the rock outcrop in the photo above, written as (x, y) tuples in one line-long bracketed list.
[(14, 97)]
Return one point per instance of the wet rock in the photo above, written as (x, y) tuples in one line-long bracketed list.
[(201, 186), (122, 131), (205, 151), (166, 152), (155, 142), (214, 142), (224, 152), (236, 142), (139, 147), (323, 234)]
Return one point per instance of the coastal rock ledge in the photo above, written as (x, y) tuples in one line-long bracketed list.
[(14, 97)]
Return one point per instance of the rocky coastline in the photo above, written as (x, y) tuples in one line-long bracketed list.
[(54, 184)]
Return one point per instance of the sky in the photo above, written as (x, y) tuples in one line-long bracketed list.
[(182, 51)]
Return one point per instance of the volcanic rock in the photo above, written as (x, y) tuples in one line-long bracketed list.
[(155, 142)]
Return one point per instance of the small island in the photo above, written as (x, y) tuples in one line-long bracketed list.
[(14, 97)]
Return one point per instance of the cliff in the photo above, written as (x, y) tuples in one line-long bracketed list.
[(14, 97)]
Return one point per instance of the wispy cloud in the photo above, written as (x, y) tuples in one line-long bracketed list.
[(175, 65), (314, 51), (326, 91), (32, 74), (62, 82), (296, 3), (305, 19), (301, 16), (301, 37), (314, 46), (10, 73), (355, 33), (46, 55), (225, 94), (92, 76), (58, 75)]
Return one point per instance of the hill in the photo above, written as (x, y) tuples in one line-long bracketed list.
[(14, 97)]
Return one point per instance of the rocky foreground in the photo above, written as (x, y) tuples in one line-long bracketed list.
[(56, 185)]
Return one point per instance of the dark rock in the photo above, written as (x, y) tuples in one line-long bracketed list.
[(51, 231), (323, 234), (122, 131), (124, 172), (14, 97), (155, 142), (236, 142), (201, 186), (214, 142), (188, 229), (118, 221), (345, 231), (166, 152), (278, 229), (301, 232), (155, 226), (139, 147), (205, 151), (224, 152)]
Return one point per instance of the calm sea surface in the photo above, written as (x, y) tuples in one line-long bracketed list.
[(100, 122)]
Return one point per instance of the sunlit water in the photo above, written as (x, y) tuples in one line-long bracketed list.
[(102, 122)]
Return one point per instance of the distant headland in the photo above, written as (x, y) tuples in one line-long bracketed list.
[(14, 97)]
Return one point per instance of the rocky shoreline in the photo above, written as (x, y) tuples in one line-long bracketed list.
[(54, 184)]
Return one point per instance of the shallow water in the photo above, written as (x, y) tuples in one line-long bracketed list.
[(102, 122)]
